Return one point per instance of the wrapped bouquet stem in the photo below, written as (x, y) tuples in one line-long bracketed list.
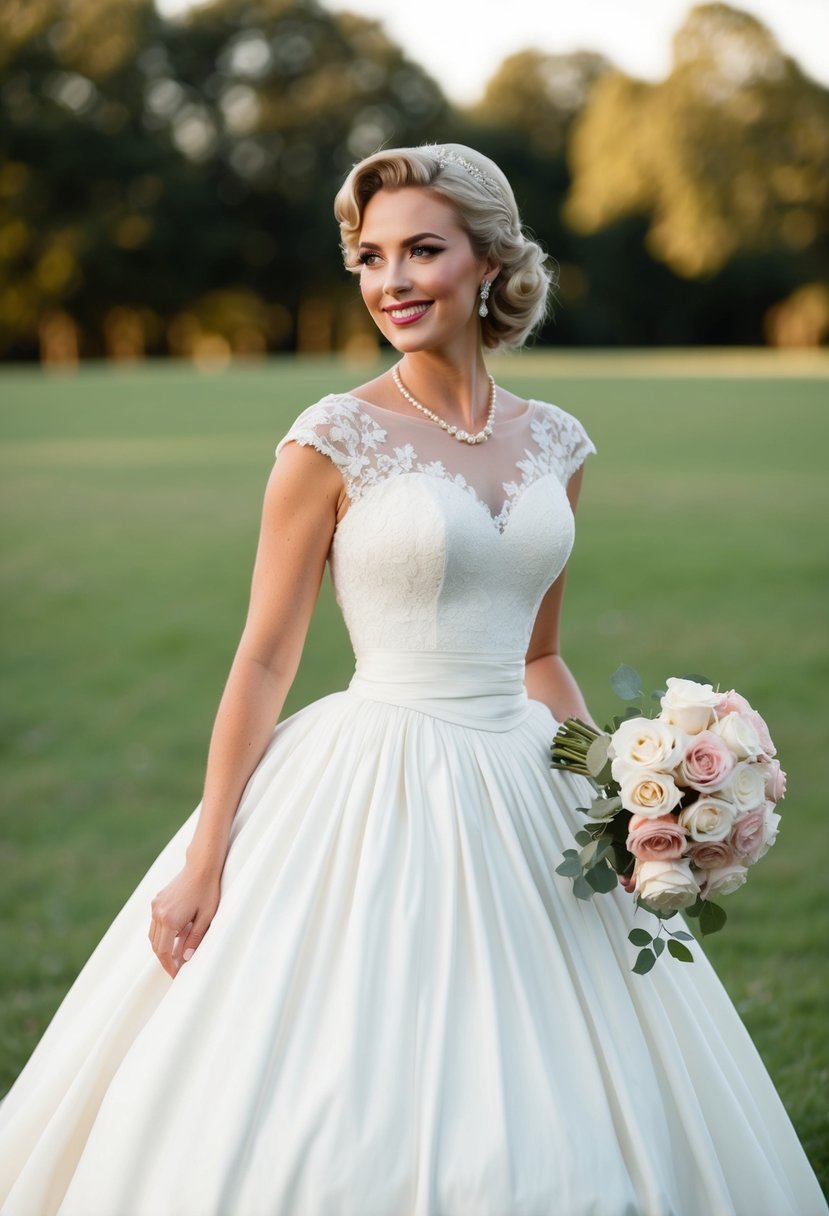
[(684, 804)]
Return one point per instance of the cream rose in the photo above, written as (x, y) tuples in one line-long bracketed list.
[(739, 734), (724, 880), (707, 762), (688, 704), (639, 743), (645, 792), (746, 787), (708, 818), (667, 885)]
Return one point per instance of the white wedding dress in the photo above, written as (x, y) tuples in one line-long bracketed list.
[(400, 1008)]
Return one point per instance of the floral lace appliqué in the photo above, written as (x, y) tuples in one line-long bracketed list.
[(341, 429)]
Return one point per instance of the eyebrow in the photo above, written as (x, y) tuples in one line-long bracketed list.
[(410, 240)]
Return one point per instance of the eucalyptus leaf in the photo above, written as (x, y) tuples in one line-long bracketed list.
[(640, 937), (601, 877), (626, 683), (712, 917), (570, 867), (596, 828), (588, 854), (680, 952), (582, 888), (645, 959), (583, 836), (603, 847), (605, 808), (686, 937), (597, 755)]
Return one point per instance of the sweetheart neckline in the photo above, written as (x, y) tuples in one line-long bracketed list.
[(499, 522)]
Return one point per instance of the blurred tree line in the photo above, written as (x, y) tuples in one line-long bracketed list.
[(166, 185)]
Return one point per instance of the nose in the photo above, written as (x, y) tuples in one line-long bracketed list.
[(397, 279)]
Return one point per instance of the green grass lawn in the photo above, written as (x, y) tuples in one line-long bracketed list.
[(132, 500)]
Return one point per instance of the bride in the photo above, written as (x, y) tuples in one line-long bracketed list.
[(366, 991)]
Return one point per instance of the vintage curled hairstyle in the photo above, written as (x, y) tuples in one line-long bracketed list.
[(484, 203)]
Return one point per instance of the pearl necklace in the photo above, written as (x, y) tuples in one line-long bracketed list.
[(461, 436)]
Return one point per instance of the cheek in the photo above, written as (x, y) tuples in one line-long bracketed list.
[(450, 280), (367, 290)]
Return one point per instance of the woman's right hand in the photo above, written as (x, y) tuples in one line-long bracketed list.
[(181, 915)]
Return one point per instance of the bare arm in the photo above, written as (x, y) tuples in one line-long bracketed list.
[(303, 501), (548, 678)]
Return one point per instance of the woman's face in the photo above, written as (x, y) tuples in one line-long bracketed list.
[(419, 278)]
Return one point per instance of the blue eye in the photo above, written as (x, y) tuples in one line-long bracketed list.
[(427, 249)]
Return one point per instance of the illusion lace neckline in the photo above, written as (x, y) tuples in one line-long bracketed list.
[(499, 420)]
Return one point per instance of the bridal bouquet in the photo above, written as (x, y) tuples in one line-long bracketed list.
[(685, 804)]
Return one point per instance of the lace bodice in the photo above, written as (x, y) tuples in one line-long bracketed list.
[(445, 546)]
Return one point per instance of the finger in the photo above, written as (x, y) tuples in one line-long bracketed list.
[(193, 939), (164, 949), (178, 943)]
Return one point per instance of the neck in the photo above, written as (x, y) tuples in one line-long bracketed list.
[(457, 390)]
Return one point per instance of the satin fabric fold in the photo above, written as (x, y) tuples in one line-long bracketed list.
[(399, 1010)]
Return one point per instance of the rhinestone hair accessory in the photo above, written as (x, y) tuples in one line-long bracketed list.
[(445, 156)]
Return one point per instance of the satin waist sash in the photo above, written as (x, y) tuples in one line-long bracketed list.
[(484, 691)]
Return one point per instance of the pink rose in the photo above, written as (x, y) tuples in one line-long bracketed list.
[(762, 729), (749, 835), (733, 702), (710, 854), (660, 839), (707, 763), (775, 781)]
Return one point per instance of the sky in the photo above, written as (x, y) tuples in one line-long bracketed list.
[(462, 42)]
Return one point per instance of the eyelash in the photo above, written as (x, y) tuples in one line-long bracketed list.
[(363, 258)]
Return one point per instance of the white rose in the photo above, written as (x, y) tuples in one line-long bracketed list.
[(667, 885), (688, 704), (708, 818), (645, 792), (724, 880), (740, 735), (639, 743), (746, 787), (771, 826)]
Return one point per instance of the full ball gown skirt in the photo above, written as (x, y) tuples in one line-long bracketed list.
[(400, 1009)]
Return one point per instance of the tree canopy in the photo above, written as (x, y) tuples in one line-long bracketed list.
[(166, 185), (729, 155)]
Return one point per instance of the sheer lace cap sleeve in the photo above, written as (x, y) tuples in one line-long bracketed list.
[(348, 436), (562, 437)]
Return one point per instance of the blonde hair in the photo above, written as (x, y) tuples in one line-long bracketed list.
[(483, 200)]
